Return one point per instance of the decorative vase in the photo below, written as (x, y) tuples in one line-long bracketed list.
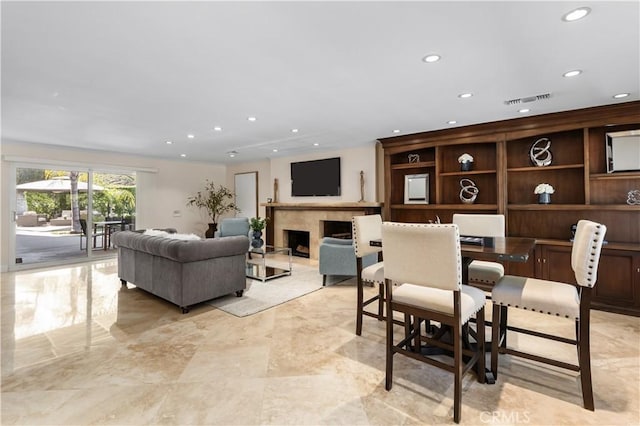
[(544, 198), (465, 166), (257, 242), (209, 233)]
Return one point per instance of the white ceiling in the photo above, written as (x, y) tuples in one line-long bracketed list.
[(128, 76)]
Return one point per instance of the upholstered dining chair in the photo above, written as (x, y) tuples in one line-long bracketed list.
[(425, 260), (561, 300), (364, 229), (482, 273)]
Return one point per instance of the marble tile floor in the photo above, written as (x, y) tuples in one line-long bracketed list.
[(77, 349)]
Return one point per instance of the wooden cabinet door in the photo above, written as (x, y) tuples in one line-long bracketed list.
[(524, 269), (556, 264), (618, 279), (618, 276)]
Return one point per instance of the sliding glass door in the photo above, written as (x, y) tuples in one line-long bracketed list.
[(64, 214), (47, 214)]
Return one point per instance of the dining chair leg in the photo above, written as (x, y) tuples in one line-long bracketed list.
[(380, 302), (495, 339), (388, 383), (360, 290), (415, 327), (584, 359), (480, 333), (457, 354), (457, 363), (503, 326)]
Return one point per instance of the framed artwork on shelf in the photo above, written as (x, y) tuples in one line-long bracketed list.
[(416, 189)]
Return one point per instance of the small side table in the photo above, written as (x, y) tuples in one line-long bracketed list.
[(268, 262)]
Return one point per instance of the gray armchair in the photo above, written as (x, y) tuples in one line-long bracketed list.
[(233, 226), (337, 257)]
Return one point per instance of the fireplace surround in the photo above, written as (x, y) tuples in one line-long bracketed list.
[(310, 217)]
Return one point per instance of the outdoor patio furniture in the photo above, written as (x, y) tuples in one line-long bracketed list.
[(96, 233), (60, 221), (31, 219)]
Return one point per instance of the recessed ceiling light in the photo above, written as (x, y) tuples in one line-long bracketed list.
[(251, 118), (451, 122), (396, 131), (431, 58), (523, 110), (232, 155), (465, 95), (621, 95), (316, 144), (275, 149), (183, 155), (169, 142), (576, 14), (191, 136), (217, 129), (572, 73), (294, 130)]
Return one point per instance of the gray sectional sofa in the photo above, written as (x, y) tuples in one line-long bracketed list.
[(184, 272)]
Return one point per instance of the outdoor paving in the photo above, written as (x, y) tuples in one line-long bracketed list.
[(50, 243)]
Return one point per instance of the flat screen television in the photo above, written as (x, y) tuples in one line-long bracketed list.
[(316, 178)]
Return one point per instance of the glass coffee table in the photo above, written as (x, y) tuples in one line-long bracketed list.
[(268, 262)]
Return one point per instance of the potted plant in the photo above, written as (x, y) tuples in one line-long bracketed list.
[(544, 191), (465, 161), (257, 224), (215, 200)]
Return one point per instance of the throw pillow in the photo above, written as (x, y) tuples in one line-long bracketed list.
[(184, 237), (156, 233)]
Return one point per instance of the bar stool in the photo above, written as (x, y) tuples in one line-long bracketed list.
[(364, 229), (482, 273), (426, 259), (561, 300)]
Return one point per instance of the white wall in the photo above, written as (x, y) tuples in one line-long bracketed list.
[(352, 161), (159, 194), (162, 193)]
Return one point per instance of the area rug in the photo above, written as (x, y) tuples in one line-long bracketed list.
[(260, 296)]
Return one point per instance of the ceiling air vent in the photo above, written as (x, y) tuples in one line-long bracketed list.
[(527, 99)]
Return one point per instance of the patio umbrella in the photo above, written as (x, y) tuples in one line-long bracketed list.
[(60, 184)]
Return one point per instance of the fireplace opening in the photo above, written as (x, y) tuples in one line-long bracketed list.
[(298, 242), (336, 229)]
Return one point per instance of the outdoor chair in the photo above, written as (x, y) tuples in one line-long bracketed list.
[(96, 233)]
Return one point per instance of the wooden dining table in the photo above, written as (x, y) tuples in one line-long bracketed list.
[(504, 249)]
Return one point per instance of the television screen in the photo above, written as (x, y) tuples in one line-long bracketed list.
[(315, 178)]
